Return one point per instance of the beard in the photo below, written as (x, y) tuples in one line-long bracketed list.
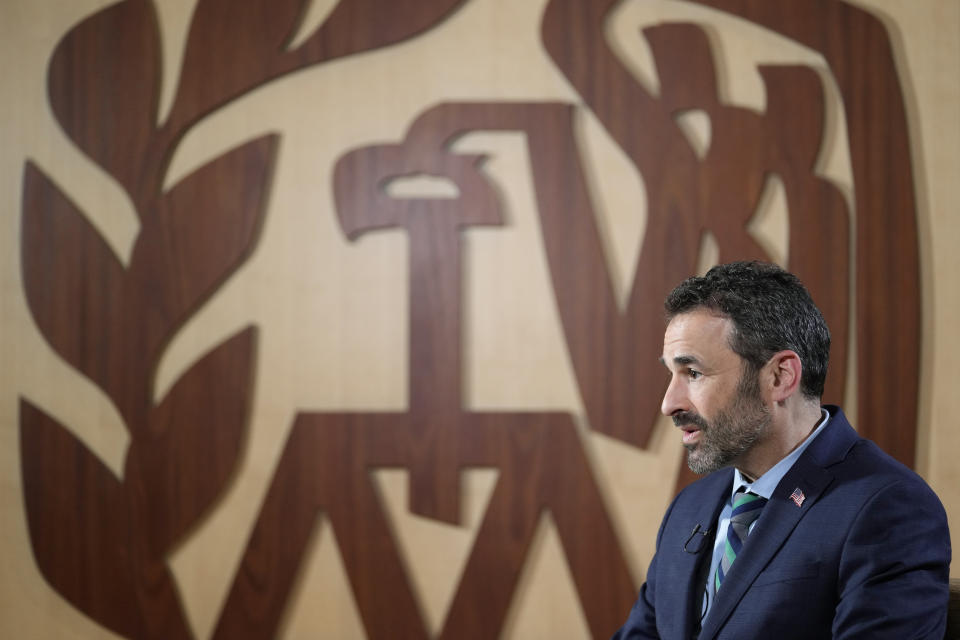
[(733, 431)]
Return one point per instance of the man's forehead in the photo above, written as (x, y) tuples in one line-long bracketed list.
[(696, 336)]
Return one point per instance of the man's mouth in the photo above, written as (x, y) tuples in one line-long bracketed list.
[(691, 424), (691, 434)]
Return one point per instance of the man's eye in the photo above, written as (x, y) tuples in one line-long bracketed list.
[(694, 374)]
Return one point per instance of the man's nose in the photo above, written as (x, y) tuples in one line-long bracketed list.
[(675, 398)]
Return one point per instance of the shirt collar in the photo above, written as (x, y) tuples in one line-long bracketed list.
[(765, 484)]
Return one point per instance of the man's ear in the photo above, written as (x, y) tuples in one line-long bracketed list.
[(784, 371)]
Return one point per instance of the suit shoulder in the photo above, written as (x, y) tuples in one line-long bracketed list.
[(867, 458), (872, 471)]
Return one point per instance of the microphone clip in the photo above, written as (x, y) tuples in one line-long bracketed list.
[(700, 541)]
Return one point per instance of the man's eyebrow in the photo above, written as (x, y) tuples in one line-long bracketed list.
[(681, 360)]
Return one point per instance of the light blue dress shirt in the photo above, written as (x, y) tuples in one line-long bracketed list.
[(762, 486)]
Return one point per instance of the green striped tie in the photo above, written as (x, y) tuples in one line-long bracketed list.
[(746, 509)]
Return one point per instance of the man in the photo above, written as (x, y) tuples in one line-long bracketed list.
[(802, 529)]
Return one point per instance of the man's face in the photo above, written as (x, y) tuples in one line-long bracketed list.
[(712, 397)]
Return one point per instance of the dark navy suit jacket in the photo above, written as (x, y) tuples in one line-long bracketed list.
[(865, 555)]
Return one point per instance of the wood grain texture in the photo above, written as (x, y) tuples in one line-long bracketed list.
[(113, 321), (102, 542), (539, 457), (326, 468)]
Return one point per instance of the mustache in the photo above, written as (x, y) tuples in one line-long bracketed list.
[(685, 418)]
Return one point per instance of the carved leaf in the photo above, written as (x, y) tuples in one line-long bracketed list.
[(74, 284), (204, 229), (104, 82), (350, 29), (217, 68), (685, 65), (193, 441), (78, 528)]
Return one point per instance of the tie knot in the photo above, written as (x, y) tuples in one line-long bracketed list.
[(746, 501), (746, 508)]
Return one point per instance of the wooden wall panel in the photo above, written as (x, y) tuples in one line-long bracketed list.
[(224, 339)]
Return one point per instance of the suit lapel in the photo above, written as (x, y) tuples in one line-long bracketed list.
[(780, 516)]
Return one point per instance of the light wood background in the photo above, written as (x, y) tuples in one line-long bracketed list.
[(332, 315)]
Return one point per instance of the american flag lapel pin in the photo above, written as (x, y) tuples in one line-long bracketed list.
[(798, 497)]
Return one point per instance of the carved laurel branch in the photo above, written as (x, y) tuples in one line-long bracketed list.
[(100, 541)]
